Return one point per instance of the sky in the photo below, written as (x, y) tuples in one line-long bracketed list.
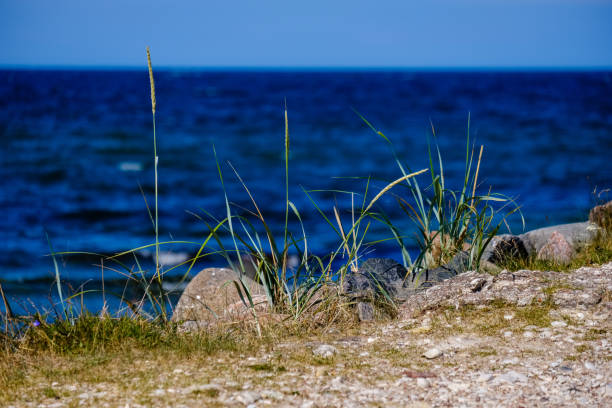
[(313, 33)]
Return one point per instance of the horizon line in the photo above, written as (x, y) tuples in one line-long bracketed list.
[(297, 68)]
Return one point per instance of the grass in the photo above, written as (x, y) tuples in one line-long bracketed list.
[(448, 220), (490, 320)]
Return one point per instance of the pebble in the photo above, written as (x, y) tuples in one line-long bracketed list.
[(432, 353), (247, 397), (422, 382), (558, 323), (456, 387), (511, 377), (325, 351), (485, 377), (589, 366)]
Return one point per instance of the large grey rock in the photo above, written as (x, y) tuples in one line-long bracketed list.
[(576, 234), (558, 239), (212, 294)]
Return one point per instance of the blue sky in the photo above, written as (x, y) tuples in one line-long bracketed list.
[(313, 33)]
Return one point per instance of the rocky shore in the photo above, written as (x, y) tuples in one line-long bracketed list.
[(461, 338), (451, 347)]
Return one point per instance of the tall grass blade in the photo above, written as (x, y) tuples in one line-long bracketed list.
[(57, 276)]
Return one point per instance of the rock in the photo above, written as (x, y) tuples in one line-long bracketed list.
[(558, 323), (583, 287), (376, 277), (324, 351), (601, 215), (511, 377), (247, 397), (502, 247), (477, 283), (431, 277), (422, 382), (365, 311), (556, 249), (432, 353), (577, 234), (573, 298), (211, 295)]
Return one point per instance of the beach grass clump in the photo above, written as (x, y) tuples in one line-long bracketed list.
[(448, 220), (295, 281)]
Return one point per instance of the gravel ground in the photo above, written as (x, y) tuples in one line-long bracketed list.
[(498, 355)]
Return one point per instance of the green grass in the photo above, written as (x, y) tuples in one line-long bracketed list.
[(448, 219), (91, 334)]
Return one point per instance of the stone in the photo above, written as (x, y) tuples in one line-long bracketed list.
[(211, 295), (477, 284), (432, 353), (422, 382), (502, 247), (365, 311), (511, 377), (247, 397), (324, 351), (556, 249), (589, 366), (376, 277), (601, 215), (576, 234), (582, 287)]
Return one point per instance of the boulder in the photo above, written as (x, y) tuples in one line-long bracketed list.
[(576, 234), (376, 277), (502, 247), (556, 249), (212, 295), (601, 215)]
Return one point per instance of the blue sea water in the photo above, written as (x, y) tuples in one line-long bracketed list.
[(76, 146)]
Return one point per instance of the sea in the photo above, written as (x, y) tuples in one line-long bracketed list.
[(77, 160)]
